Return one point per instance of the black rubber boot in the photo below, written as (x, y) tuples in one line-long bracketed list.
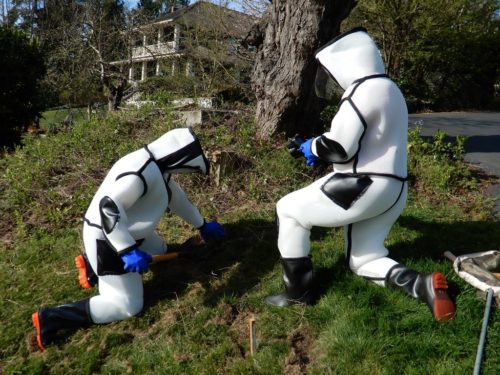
[(429, 288), (48, 321), (298, 276)]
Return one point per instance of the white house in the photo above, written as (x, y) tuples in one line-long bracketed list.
[(162, 46)]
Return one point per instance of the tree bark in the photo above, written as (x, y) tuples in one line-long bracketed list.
[(284, 71)]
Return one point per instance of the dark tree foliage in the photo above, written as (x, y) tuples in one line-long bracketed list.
[(21, 68), (443, 60), (156, 8)]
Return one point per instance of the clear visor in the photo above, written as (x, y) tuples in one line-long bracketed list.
[(325, 86)]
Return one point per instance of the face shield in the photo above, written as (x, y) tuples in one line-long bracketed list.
[(325, 86), (181, 152)]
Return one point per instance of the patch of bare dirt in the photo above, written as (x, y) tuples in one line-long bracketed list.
[(183, 357), (238, 323), (31, 343), (229, 314), (298, 358)]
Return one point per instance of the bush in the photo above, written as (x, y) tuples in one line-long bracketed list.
[(438, 165), (21, 69)]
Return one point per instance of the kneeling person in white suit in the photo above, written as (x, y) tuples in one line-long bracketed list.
[(119, 231), (367, 191)]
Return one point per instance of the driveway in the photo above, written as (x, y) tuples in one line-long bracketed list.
[(482, 147)]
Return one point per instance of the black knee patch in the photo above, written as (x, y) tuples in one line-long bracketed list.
[(345, 189)]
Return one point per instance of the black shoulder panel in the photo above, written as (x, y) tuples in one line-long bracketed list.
[(330, 150)]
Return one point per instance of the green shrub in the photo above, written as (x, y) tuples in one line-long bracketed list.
[(438, 163)]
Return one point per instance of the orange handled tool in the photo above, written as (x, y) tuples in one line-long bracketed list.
[(164, 257)]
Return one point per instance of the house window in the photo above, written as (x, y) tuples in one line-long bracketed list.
[(151, 37), (137, 71), (151, 69), (168, 34)]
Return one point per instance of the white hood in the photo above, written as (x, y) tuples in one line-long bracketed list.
[(351, 56), (179, 151)]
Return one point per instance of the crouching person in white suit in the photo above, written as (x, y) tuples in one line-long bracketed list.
[(367, 191), (119, 231)]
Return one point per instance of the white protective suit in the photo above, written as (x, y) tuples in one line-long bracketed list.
[(367, 191), (125, 211)]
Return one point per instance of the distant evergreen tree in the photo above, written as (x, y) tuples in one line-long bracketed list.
[(21, 68), (156, 8)]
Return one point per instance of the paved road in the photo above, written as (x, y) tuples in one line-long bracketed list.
[(482, 147)]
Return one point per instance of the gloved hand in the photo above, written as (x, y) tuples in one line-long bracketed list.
[(212, 230), (293, 146), (305, 148), (136, 261)]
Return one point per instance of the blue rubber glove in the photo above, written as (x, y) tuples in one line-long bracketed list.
[(305, 148), (212, 230), (136, 261)]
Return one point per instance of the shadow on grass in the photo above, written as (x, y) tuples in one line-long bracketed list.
[(243, 258), (250, 251), (459, 237)]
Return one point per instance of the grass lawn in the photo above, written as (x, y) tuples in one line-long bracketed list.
[(196, 314)]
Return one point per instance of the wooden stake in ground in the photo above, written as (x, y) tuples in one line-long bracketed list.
[(253, 339)]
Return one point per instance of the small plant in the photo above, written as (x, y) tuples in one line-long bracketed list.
[(438, 171)]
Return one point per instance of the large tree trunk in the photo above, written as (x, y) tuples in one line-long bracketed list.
[(284, 72)]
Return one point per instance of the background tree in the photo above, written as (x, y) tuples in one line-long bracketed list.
[(443, 60), (252, 7), (20, 13), (71, 79), (21, 68), (211, 42), (285, 68), (107, 33), (155, 8), (212, 61)]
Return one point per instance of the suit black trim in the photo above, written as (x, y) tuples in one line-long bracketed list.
[(91, 224), (349, 99), (196, 139), (177, 159), (170, 169), (397, 199), (365, 126), (349, 245), (402, 179), (373, 278), (169, 190), (372, 76), (349, 232), (139, 173), (151, 156), (340, 36)]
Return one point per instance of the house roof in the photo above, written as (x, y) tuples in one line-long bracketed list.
[(210, 16)]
